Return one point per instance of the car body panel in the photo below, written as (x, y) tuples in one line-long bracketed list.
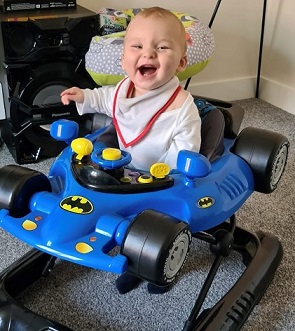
[(85, 226)]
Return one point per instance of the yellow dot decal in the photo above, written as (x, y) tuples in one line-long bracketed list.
[(159, 170), (29, 225), (111, 154), (83, 248)]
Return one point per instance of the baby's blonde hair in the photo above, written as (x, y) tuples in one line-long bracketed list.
[(165, 14)]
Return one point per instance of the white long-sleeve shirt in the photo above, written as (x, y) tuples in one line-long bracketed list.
[(171, 132)]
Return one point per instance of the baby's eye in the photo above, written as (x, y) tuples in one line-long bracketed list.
[(162, 47), (137, 46)]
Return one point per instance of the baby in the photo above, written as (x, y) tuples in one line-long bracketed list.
[(154, 117)]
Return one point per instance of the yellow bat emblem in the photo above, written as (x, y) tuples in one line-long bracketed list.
[(205, 202), (76, 204)]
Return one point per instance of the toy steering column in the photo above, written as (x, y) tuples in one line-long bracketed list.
[(193, 165), (111, 158)]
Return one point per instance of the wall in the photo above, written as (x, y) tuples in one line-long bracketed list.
[(278, 66), (231, 74)]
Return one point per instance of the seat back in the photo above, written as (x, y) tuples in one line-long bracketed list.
[(109, 136), (220, 120), (212, 134)]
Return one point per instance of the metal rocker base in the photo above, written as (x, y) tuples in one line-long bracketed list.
[(261, 252)]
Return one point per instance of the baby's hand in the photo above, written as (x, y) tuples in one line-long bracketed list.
[(72, 94)]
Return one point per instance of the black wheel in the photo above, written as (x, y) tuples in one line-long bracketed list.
[(17, 185), (266, 152), (156, 246)]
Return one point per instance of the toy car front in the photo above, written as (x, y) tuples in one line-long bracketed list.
[(91, 203)]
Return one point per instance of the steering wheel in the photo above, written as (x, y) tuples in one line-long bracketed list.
[(111, 158)]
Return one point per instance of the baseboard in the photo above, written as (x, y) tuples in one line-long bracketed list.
[(227, 90), (277, 94)]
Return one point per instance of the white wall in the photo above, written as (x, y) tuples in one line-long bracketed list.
[(278, 66), (231, 75)]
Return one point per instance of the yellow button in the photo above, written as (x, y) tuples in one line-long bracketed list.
[(111, 154), (144, 179), (159, 170), (126, 179), (82, 147)]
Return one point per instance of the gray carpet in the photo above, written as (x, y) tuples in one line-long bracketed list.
[(86, 299)]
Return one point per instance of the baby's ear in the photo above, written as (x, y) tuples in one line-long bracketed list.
[(182, 64)]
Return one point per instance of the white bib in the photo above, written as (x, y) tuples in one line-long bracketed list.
[(134, 116)]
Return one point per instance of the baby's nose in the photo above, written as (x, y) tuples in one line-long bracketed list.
[(149, 52)]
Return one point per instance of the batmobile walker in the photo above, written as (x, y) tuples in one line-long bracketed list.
[(91, 203), (93, 210)]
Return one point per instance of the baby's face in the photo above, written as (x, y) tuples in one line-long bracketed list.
[(153, 52)]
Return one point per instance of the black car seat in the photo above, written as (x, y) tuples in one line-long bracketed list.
[(220, 119), (212, 129)]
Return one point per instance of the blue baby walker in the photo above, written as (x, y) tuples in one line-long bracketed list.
[(152, 217)]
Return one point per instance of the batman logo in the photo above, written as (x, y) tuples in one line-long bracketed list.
[(76, 204), (205, 202)]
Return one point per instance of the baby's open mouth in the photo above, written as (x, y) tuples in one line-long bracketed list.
[(147, 70)]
